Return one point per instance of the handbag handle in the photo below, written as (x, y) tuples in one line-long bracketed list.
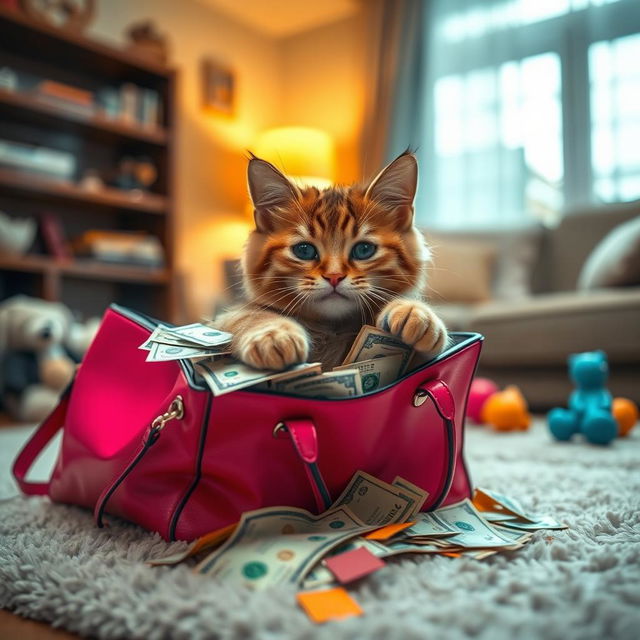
[(304, 438), (36, 443), (442, 398)]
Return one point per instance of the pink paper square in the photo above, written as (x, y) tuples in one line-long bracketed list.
[(351, 565)]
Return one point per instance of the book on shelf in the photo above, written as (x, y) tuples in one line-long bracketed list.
[(65, 92), (120, 247), (149, 112), (128, 103), (132, 105), (66, 97), (53, 237), (59, 164)]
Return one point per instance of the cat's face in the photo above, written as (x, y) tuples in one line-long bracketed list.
[(342, 252)]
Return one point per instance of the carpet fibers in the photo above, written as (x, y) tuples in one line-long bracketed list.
[(584, 582)]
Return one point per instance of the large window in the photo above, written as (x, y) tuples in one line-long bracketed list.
[(614, 70), (532, 106)]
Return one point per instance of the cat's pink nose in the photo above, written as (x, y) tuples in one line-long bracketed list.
[(334, 279)]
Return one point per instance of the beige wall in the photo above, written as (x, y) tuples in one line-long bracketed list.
[(311, 79), (323, 72)]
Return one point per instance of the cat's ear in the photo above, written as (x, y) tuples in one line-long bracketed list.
[(395, 188), (269, 190)]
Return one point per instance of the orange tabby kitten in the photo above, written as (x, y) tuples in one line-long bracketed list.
[(320, 264)]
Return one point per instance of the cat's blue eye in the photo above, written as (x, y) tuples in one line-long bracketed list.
[(363, 250), (304, 251)]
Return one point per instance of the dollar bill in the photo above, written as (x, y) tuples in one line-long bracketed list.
[(473, 530), (514, 514), (493, 516), (487, 500), (199, 545), (417, 492), (165, 352), (374, 501), (280, 384), (519, 538), (400, 547), (279, 545), (201, 334), (545, 522), (227, 374), (160, 336), (188, 342), (373, 343), (332, 384), (377, 372), (428, 525)]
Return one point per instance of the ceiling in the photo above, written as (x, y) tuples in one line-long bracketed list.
[(282, 18)]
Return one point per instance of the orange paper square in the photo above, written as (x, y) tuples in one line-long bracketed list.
[(328, 604), (390, 530)]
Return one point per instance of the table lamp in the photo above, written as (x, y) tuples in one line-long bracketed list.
[(305, 155)]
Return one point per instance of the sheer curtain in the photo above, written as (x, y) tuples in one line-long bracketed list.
[(518, 108), (395, 109)]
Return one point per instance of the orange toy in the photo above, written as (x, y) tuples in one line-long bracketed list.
[(507, 410), (626, 414)]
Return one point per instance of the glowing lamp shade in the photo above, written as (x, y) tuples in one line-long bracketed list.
[(307, 156)]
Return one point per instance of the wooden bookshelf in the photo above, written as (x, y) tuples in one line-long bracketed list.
[(97, 142), (41, 187), (89, 269), (24, 107), (21, 33)]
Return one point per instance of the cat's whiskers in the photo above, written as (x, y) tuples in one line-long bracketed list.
[(373, 303), (267, 294), (299, 298), (361, 309), (377, 296)]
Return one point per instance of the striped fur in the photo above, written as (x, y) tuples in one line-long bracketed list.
[(297, 296)]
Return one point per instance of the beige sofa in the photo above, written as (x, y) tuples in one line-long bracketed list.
[(529, 334)]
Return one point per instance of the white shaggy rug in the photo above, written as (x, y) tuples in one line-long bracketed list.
[(582, 583)]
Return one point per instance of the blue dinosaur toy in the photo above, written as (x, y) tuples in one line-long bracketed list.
[(589, 411)]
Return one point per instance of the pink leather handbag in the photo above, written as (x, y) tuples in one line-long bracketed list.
[(148, 442)]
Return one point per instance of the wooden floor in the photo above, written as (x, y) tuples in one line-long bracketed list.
[(14, 627)]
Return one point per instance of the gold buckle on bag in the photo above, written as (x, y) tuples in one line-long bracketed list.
[(175, 412), (278, 428), (420, 397)]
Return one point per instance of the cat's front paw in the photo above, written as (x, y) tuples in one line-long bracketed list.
[(415, 324), (273, 345)]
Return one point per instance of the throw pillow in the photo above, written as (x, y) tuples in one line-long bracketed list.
[(516, 252), (615, 261), (461, 271)]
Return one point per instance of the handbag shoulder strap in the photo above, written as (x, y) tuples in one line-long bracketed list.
[(36, 444)]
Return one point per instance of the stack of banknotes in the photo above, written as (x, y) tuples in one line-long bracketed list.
[(193, 341), (375, 360), (286, 545)]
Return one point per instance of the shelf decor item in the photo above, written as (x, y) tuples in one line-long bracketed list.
[(8, 79), (16, 234), (70, 15), (120, 247), (147, 41), (218, 88)]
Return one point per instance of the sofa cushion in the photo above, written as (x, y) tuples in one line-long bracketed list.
[(545, 329), (456, 317), (461, 271), (566, 247), (615, 261), (516, 253)]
